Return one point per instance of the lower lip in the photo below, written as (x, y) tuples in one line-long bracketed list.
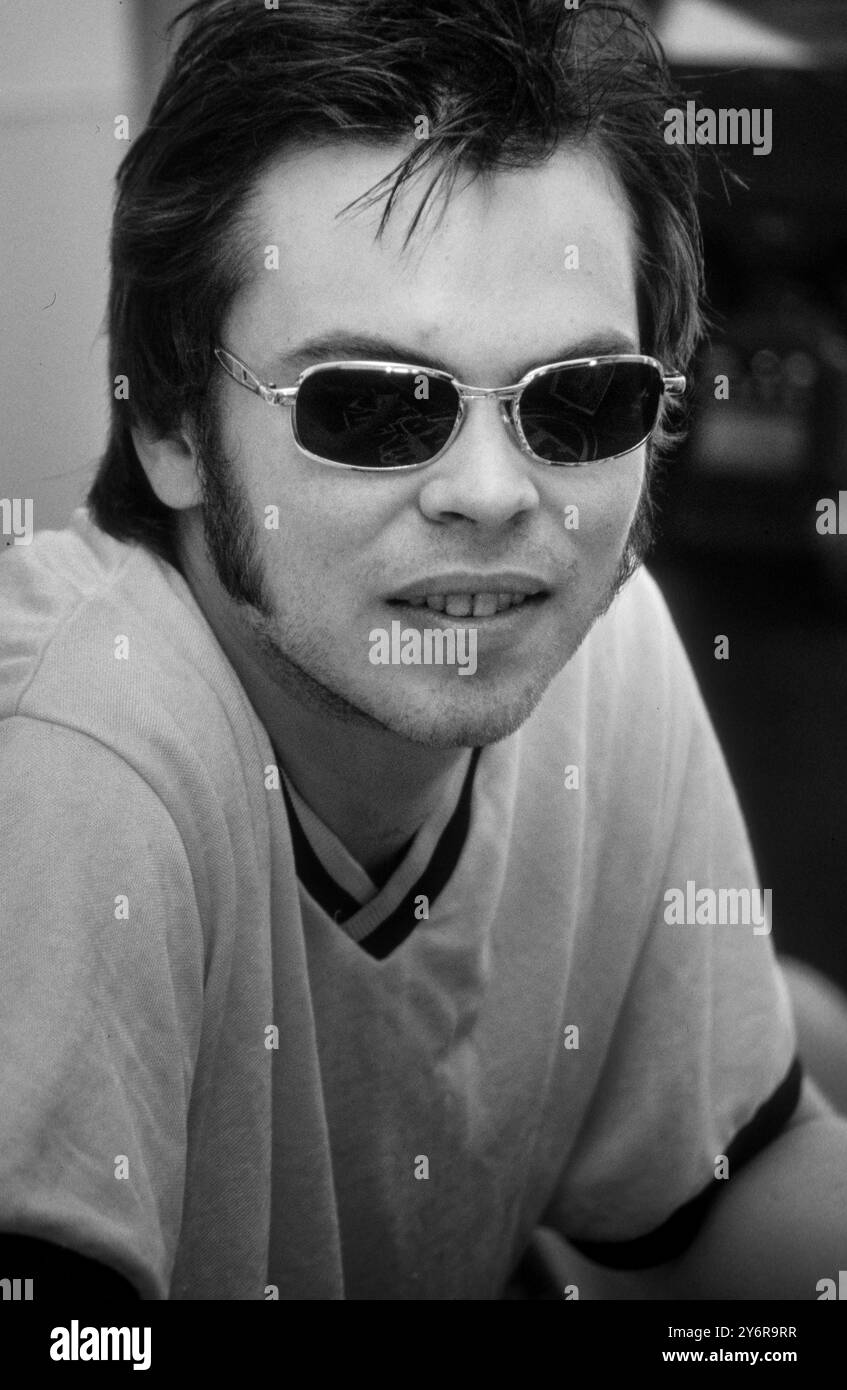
[(508, 621)]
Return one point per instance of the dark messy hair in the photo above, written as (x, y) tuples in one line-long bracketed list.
[(501, 82)]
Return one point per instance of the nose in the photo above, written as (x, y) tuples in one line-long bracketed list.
[(484, 477)]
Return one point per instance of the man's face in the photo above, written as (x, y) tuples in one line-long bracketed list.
[(491, 292)]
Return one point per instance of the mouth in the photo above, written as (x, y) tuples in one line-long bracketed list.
[(487, 604)]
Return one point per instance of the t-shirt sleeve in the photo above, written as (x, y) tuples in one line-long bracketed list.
[(700, 1068), (100, 1003)]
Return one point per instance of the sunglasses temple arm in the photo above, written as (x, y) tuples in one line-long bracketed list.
[(274, 395)]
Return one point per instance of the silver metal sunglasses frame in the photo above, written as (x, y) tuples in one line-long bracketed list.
[(673, 384)]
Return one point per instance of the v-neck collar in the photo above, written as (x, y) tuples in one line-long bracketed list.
[(386, 920)]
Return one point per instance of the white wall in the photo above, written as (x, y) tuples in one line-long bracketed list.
[(66, 71)]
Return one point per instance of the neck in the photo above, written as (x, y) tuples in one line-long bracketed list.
[(371, 788)]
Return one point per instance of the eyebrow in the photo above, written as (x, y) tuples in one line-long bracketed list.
[(341, 347)]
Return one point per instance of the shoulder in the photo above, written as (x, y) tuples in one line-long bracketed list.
[(62, 596), (105, 638), (107, 661)]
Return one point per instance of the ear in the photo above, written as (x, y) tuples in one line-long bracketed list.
[(170, 462)]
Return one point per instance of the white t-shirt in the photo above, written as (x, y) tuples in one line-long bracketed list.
[(223, 1089)]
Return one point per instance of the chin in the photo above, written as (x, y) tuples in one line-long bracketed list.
[(443, 722)]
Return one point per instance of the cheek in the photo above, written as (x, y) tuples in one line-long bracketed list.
[(330, 541), (317, 528), (295, 511), (609, 505)]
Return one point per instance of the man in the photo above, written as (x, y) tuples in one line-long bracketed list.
[(351, 776)]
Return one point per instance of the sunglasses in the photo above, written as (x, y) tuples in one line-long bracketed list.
[(381, 416)]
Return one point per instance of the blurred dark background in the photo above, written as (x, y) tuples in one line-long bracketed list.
[(739, 551)]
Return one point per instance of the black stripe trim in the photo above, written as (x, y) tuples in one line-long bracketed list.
[(339, 904), (389, 934), (320, 885), (674, 1236)]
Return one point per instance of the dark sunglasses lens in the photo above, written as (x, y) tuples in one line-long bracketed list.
[(369, 418), (580, 414)]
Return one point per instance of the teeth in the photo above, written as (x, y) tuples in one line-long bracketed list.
[(458, 605), (484, 605)]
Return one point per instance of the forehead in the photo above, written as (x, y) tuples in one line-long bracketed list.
[(521, 264)]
